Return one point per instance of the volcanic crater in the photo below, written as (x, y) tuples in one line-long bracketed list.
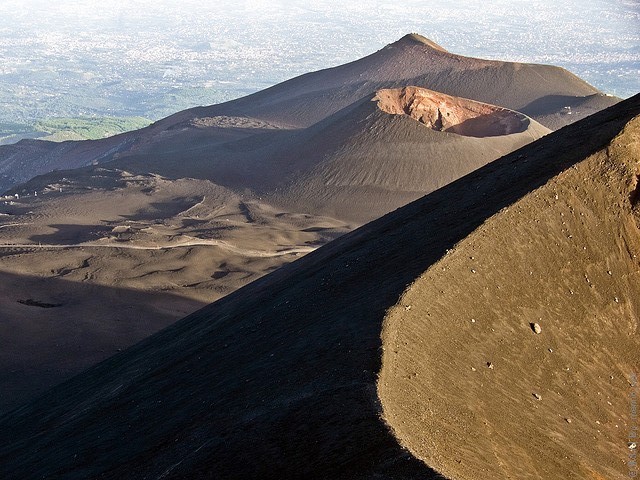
[(445, 113)]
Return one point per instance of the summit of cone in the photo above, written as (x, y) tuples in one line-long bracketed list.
[(411, 38)]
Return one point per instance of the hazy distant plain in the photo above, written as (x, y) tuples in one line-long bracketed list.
[(84, 58)]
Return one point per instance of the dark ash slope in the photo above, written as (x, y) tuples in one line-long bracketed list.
[(278, 380)]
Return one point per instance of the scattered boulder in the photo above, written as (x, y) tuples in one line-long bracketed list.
[(121, 229)]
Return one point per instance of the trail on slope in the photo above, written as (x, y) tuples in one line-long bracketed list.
[(195, 243)]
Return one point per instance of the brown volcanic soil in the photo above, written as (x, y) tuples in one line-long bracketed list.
[(125, 229), (122, 256), (279, 379), (553, 405)]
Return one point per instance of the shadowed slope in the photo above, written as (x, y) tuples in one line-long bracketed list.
[(174, 246), (27, 158), (278, 379), (52, 328), (168, 232)]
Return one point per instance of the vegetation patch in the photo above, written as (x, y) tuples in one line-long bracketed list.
[(60, 129)]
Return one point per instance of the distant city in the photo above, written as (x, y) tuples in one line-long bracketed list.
[(79, 69)]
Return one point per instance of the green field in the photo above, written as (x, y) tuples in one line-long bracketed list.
[(59, 129)]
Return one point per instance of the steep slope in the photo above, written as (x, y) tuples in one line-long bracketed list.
[(548, 94), (28, 158), (470, 384), (392, 148), (365, 137), (278, 380), (158, 223)]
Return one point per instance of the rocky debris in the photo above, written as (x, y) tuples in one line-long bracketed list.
[(536, 328), (121, 229), (537, 396), (30, 302), (224, 121)]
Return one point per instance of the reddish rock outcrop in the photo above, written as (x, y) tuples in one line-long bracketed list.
[(451, 114)]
